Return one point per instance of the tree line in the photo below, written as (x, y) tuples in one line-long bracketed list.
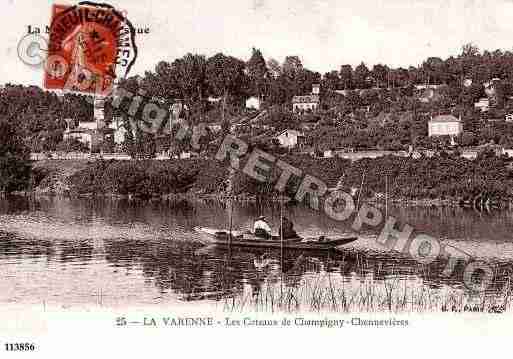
[(214, 89)]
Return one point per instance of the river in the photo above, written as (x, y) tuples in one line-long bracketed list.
[(78, 253)]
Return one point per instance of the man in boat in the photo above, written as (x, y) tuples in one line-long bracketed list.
[(287, 229), (261, 228)]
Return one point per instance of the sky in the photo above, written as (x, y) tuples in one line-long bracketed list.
[(324, 33)]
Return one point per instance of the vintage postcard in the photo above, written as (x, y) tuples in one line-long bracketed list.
[(300, 178)]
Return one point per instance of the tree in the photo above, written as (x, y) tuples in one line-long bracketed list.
[(435, 70), (467, 138), (164, 83), (472, 93), (274, 68), (361, 72), (15, 169), (380, 74), (257, 73), (469, 49), (189, 74), (346, 76), (331, 81), (225, 76), (292, 66), (353, 100)]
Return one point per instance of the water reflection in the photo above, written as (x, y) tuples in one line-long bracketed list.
[(147, 253)]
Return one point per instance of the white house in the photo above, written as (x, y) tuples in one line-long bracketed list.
[(89, 125), (490, 86), (428, 86), (307, 102), (86, 132), (212, 99), (289, 138), (445, 125), (253, 102), (119, 130), (483, 104)]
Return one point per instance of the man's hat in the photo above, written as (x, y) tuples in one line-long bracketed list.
[(261, 217)]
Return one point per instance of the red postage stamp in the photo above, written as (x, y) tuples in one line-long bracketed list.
[(90, 46)]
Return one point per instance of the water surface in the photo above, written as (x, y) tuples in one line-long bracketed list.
[(85, 252)]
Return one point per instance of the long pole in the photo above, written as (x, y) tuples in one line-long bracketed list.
[(231, 220), (360, 191), (230, 203), (281, 234), (281, 249), (386, 196)]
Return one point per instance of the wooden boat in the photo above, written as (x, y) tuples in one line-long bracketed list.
[(247, 239)]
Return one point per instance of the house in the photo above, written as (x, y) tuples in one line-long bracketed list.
[(253, 102), (445, 125), (90, 132), (177, 109), (88, 125), (429, 86), (119, 131), (428, 93), (81, 134), (490, 87), (99, 111), (90, 137), (343, 92), (307, 102), (328, 154), (483, 104), (86, 132), (303, 103), (290, 138), (212, 99)]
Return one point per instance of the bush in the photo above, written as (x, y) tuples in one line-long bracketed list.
[(148, 178)]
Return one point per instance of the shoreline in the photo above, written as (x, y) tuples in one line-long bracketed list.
[(211, 181), (240, 198)]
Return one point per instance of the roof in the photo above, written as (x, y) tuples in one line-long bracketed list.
[(306, 99), (445, 118), (426, 86), (79, 130), (291, 131)]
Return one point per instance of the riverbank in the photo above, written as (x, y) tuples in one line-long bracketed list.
[(436, 181)]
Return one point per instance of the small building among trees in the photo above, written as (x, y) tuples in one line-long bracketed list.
[(253, 102), (445, 125), (290, 138), (86, 132), (307, 102)]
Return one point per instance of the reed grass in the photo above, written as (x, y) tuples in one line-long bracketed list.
[(321, 293)]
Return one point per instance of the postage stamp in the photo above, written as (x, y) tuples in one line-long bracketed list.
[(90, 46)]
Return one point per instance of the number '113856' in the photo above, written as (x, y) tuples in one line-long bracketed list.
[(20, 347)]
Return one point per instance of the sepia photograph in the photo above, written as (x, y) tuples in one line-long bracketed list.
[(225, 178)]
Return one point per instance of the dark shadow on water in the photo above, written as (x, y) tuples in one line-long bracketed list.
[(173, 261)]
